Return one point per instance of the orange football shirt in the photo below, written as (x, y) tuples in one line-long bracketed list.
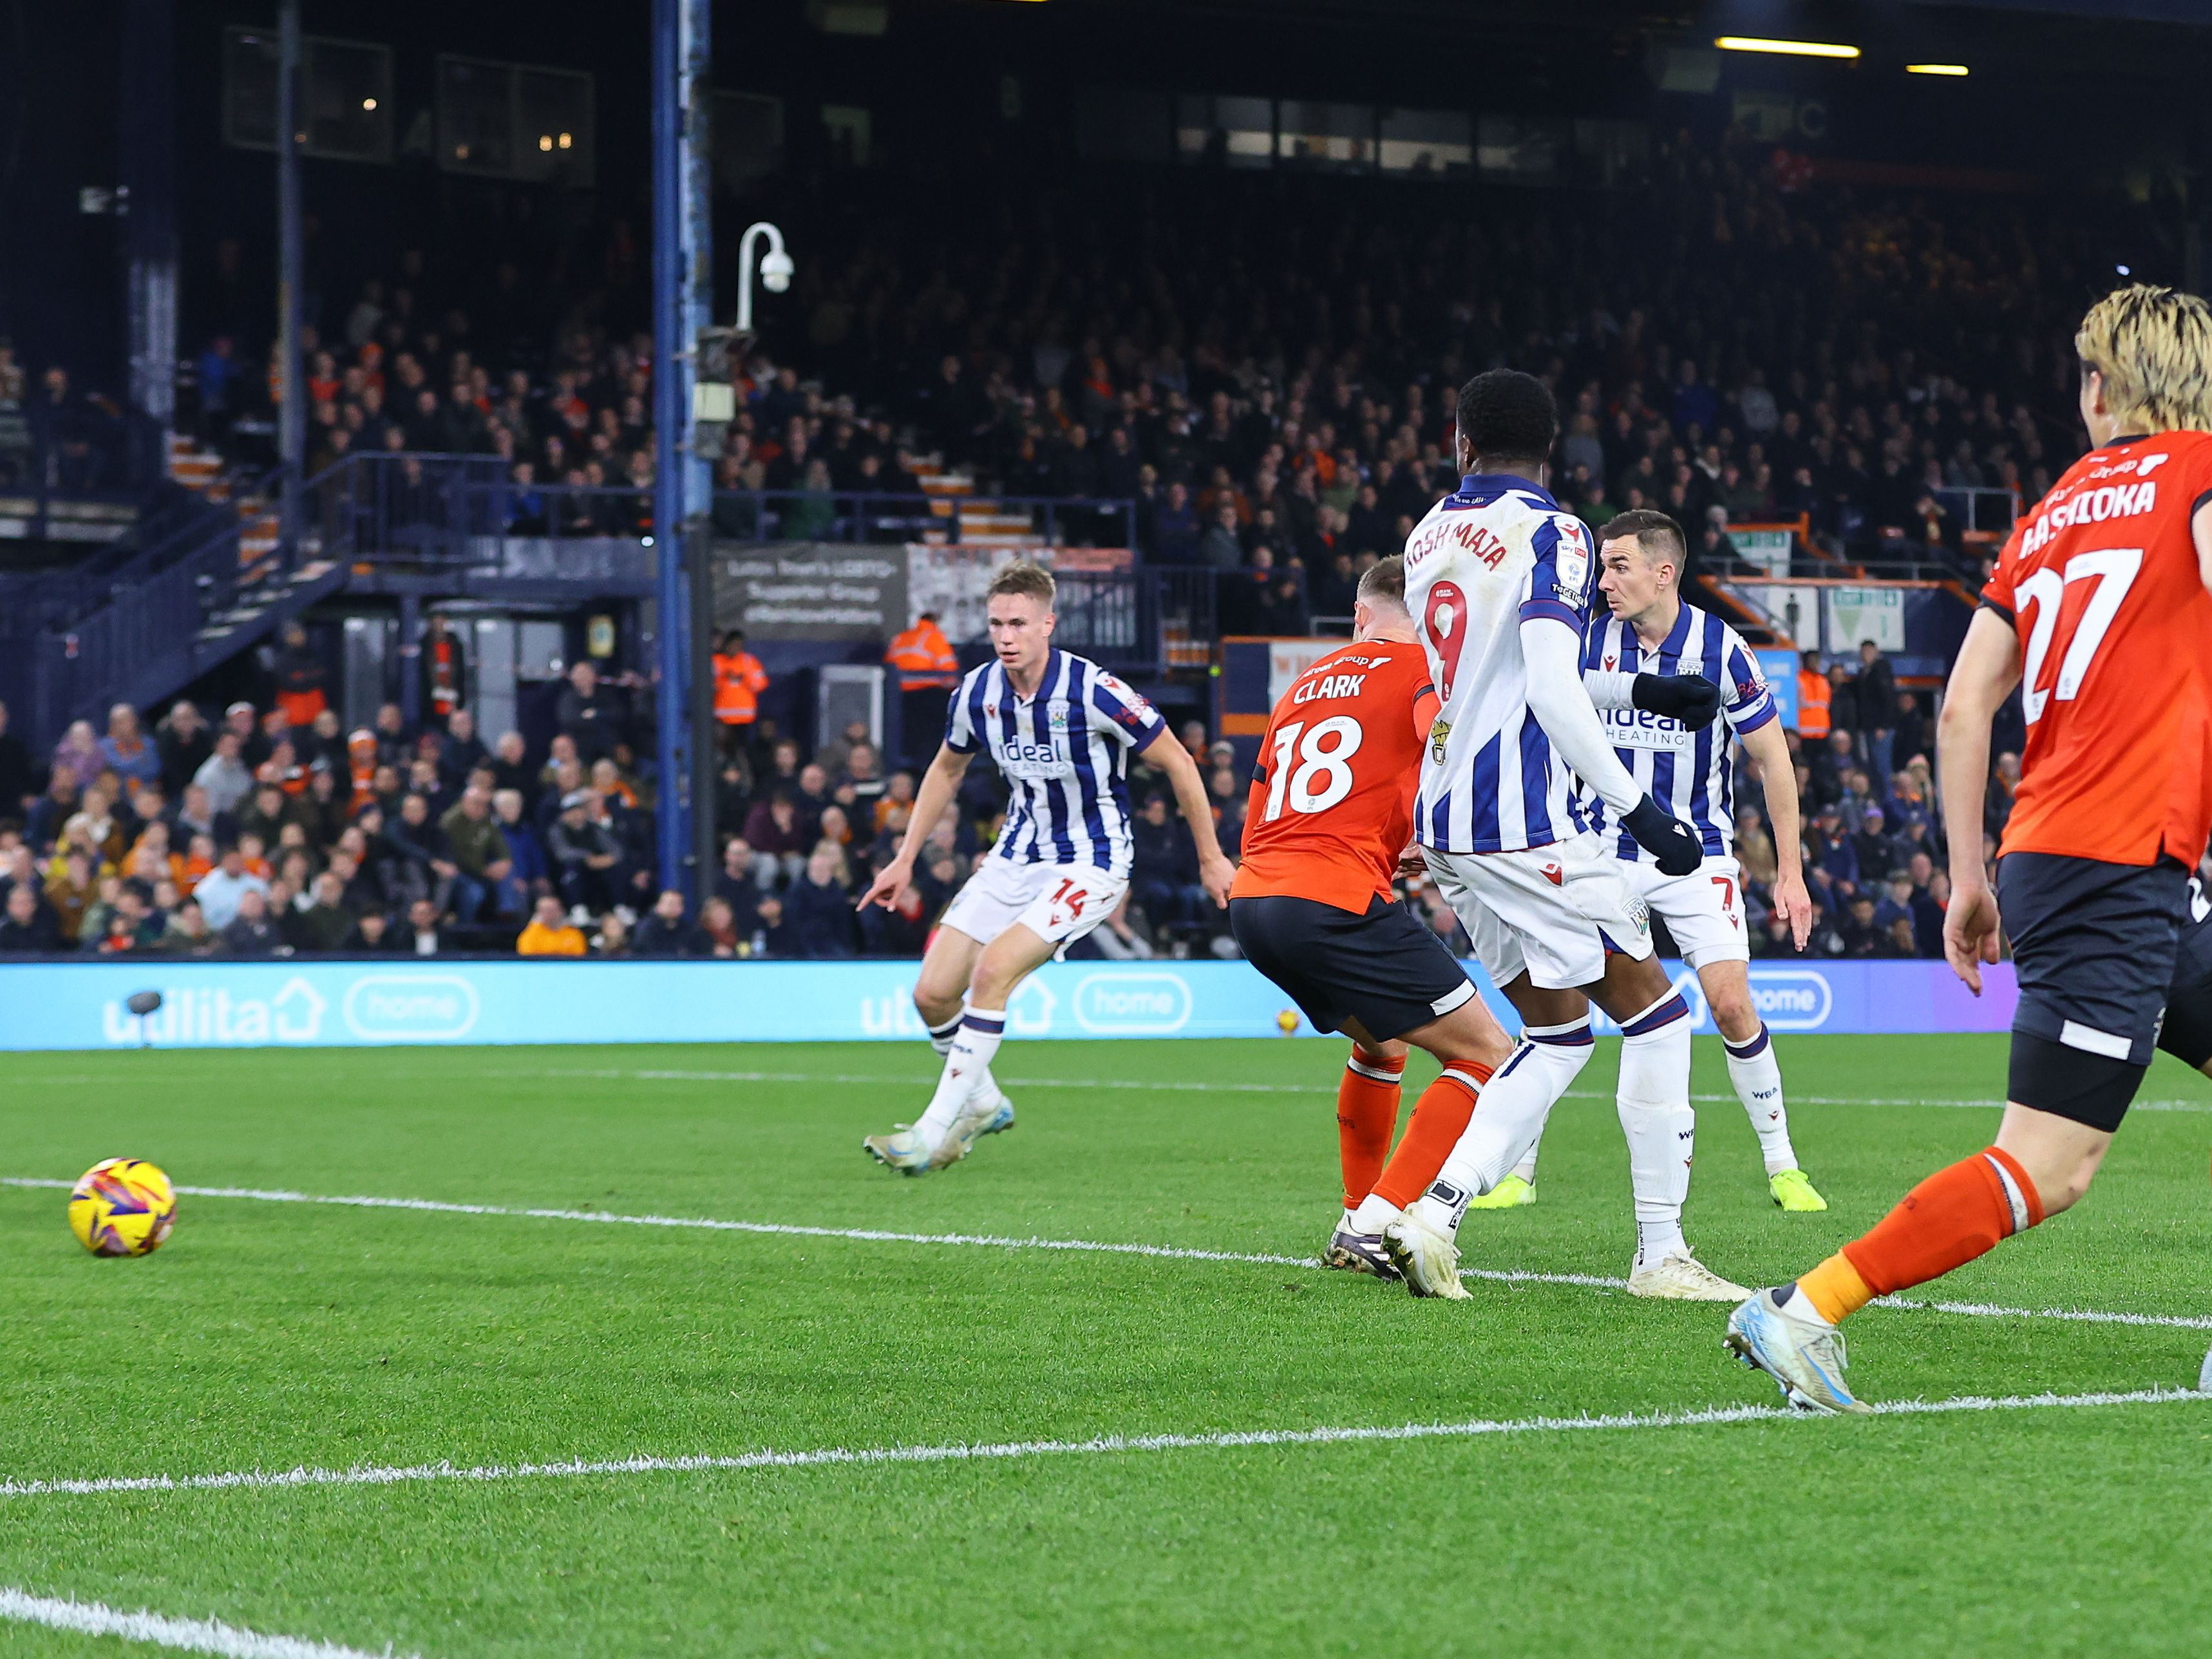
[(2100, 584), (1332, 802)]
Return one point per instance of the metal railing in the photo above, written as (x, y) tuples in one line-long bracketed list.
[(1980, 507), (834, 515), (432, 506)]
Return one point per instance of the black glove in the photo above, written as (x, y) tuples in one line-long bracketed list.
[(1667, 838), (1690, 698)]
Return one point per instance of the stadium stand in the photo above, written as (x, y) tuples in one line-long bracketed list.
[(1226, 390)]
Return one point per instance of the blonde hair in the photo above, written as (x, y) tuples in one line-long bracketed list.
[(2153, 348), (1031, 581)]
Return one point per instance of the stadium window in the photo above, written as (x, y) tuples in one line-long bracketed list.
[(516, 121), (1235, 132), (1324, 137), (1117, 124), (346, 94), (848, 128), (1427, 143), (1523, 150), (747, 139), (1611, 154)]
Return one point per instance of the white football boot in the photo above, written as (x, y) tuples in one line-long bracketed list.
[(1682, 1278), (1352, 1251), (1425, 1256), (1800, 1351), (901, 1150), (986, 1114)]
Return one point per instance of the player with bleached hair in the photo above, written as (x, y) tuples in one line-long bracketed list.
[(1500, 581), (1061, 729), (2100, 611)]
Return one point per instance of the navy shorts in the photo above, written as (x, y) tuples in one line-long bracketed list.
[(2094, 948), (2187, 1033), (1383, 968)]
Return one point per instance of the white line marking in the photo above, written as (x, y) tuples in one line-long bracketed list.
[(1082, 1246), (262, 1479), (1316, 1091), (192, 1635)]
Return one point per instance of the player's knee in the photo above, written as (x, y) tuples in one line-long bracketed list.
[(1734, 1014), (935, 1004)]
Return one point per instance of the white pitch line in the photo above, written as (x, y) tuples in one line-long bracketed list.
[(265, 1480), (192, 1634), (1316, 1091), (1080, 1246)]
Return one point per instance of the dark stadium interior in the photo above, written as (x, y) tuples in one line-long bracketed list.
[(1190, 280)]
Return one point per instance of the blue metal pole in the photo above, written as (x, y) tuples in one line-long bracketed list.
[(292, 402), (671, 623), (696, 298)]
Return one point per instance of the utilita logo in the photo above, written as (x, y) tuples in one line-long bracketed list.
[(202, 1016)]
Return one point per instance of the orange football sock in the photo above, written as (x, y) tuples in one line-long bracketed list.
[(1945, 1222), (1366, 1113), (1440, 1118), (1835, 1289)]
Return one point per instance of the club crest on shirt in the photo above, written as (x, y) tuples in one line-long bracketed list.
[(1439, 735), (1059, 719)]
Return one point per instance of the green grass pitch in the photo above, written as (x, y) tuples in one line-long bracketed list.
[(270, 1336)]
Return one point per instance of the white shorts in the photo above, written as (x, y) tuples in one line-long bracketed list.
[(1059, 903), (1552, 912), (1704, 912)]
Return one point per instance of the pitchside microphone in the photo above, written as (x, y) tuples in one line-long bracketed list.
[(142, 1003)]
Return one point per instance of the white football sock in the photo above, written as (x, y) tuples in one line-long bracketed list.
[(1510, 1115), (1758, 1082), (1374, 1214), (940, 1038), (1654, 1102), (967, 1069), (1560, 1039)]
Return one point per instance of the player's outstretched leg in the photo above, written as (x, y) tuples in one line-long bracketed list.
[(1758, 1079), (966, 1098), (1654, 1102), (1565, 1048), (2041, 1164)]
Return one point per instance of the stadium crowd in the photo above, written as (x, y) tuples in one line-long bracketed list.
[(257, 834), (1267, 370), (1275, 397)]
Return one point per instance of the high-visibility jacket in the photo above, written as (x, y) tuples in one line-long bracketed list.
[(924, 659), (1812, 704), (738, 681)]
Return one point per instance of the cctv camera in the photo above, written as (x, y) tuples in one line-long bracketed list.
[(776, 269)]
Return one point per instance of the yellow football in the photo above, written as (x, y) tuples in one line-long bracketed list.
[(1287, 1021), (123, 1206)]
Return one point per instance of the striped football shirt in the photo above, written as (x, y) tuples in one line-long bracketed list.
[(1065, 754)]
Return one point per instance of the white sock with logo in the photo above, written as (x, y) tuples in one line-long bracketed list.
[(940, 1039), (1757, 1080), (1654, 1102), (967, 1069), (1508, 1118), (1565, 1050)]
